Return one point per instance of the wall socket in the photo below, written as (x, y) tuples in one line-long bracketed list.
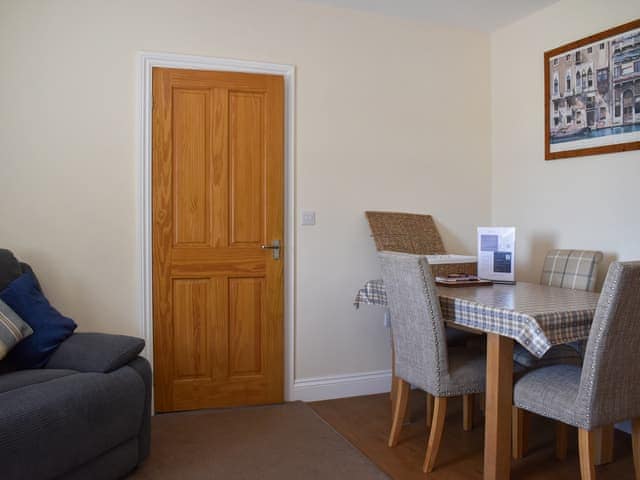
[(308, 217)]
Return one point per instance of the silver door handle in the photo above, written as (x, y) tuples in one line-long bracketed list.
[(274, 247)]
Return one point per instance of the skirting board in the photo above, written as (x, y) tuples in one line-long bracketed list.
[(341, 386)]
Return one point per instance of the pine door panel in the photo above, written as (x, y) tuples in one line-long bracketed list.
[(246, 142), (217, 198), (192, 305), (245, 326), (191, 167)]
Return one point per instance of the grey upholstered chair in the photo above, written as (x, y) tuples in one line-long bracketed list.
[(574, 269), (422, 357), (606, 389), (418, 234), (577, 270)]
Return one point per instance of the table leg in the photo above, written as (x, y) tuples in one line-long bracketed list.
[(499, 399)]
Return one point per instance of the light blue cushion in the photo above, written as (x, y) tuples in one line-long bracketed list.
[(12, 329)]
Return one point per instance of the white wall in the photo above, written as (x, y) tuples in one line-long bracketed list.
[(583, 203), (391, 114)]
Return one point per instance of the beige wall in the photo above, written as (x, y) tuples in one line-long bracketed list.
[(391, 114), (583, 203)]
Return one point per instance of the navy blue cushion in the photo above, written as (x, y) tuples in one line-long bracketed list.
[(50, 328)]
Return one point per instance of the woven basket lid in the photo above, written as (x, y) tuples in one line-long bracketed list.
[(405, 232)]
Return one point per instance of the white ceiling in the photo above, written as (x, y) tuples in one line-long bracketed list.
[(485, 15)]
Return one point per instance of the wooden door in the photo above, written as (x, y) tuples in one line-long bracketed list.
[(217, 199)]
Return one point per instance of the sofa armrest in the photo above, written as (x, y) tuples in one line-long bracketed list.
[(95, 352)]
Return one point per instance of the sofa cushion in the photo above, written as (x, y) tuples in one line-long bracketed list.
[(48, 429), (9, 268), (96, 352), (25, 378), (12, 329), (50, 328)]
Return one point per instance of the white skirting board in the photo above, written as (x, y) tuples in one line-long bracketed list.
[(341, 386)]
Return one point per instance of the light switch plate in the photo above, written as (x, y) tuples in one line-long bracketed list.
[(308, 217)]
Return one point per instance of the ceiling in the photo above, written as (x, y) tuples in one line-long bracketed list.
[(485, 15)]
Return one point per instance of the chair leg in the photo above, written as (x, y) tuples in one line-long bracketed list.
[(435, 436), (393, 393), (400, 403), (586, 450), (562, 432), (429, 405), (521, 420), (635, 440), (393, 376), (604, 445), (467, 412)]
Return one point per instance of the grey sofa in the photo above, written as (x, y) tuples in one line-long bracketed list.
[(86, 415)]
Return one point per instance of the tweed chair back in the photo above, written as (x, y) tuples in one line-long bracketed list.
[(610, 382), (575, 269), (418, 329)]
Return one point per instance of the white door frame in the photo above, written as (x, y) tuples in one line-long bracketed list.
[(146, 62)]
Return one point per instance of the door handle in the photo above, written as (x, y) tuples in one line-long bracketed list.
[(274, 247)]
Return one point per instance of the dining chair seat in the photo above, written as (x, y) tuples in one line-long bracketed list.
[(551, 392), (467, 372)]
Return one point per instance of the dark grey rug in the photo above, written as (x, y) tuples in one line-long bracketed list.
[(288, 441)]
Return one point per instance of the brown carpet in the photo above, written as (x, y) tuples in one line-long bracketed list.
[(288, 441)]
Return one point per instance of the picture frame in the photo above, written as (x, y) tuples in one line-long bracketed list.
[(592, 94)]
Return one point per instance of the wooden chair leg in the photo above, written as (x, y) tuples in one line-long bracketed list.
[(435, 436), (429, 405), (400, 403), (467, 412), (603, 450), (393, 375), (393, 393), (635, 440), (521, 419), (562, 432), (586, 440)]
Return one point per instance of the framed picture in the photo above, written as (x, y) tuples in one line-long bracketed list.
[(592, 94)]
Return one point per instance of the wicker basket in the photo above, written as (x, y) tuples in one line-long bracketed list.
[(405, 232), (444, 269), (413, 233)]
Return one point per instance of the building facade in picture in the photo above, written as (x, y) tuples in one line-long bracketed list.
[(595, 90)]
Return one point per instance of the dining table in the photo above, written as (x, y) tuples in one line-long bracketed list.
[(536, 316)]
